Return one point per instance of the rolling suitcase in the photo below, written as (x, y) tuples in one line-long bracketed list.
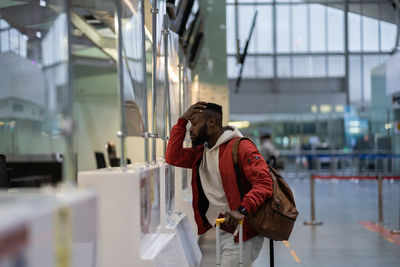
[(218, 241)]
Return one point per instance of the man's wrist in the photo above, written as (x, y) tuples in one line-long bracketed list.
[(182, 122), (243, 210)]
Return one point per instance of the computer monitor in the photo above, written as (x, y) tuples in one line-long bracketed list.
[(100, 160), (42, 169), (183, 12), (171, 9), (3, 172)]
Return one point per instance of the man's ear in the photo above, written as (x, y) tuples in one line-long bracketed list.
[(211, 122)]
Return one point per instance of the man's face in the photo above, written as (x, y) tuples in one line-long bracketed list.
[(198, 130)]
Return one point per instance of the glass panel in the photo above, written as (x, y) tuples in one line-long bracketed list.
[(4, 41), (318, 66), (232, 68), (336, 66), (262, 35), (317, 24), (14, 40), (384, 58), (4, 24), (335, 28), (246, 14), (370, 26), (250, 67), (282, 21), (388, 36), (265, 68), (283, 63), (261, 40), (160, 75), (230, 30), (173, 73), (355, 79), (370, 62), (354, 28), (39, 115), (300, 66), (22, 45), (134, 93), (254, 67), (299, 25)]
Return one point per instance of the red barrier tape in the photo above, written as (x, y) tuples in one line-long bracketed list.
[(354, 177)]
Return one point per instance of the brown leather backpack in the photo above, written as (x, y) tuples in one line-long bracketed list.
[(275, 218)]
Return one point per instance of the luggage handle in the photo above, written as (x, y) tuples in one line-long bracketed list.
[(218, 240)]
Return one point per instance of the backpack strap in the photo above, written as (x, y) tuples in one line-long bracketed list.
[(271, 161), (235, 158)]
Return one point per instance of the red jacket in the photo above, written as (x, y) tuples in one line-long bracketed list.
[(258, 182)]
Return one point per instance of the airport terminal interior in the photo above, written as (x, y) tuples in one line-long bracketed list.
[(90, 90)]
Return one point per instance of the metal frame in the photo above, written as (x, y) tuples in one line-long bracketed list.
[(145, 109), (346, 52), (165, 33), (122, 132), (72, 166), (180, 83), (398, 29), (154, 11)]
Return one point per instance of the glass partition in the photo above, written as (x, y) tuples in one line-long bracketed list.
[(167, 116), (160, 103), (35, 91), (135, 99), (173, 72)]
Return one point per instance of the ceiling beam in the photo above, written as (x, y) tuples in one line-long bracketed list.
[(106, 44)]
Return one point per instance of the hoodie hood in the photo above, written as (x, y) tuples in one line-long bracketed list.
[(225, 137)]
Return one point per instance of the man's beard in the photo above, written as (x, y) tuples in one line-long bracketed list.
[(201, 138)]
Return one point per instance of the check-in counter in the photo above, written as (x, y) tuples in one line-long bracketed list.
[(48, 228), (138, 223), (183, 193)]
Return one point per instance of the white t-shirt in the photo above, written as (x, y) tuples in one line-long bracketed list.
[(211, 178)]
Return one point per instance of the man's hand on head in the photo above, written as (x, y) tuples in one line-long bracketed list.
[(232, 218), (195, 108)]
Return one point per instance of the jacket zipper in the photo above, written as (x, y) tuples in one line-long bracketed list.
[(283, 215)]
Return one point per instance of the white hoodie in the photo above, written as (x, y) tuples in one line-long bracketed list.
[(211, 178)]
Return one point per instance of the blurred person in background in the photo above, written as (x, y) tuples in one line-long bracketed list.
[(268, 150)]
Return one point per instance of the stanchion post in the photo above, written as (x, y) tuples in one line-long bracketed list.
[(271, 253), (385, 165), (397, 232), (312, 194), (380, 200)]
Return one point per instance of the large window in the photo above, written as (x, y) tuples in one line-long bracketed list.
[(11, 39), (310, 39)]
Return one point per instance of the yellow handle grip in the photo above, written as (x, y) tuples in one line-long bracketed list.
[(222, 220), (219, 221)]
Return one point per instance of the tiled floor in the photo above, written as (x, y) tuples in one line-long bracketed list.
[(341, 241)]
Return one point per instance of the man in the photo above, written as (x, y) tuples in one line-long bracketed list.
[(215, 190), (268, 150)]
